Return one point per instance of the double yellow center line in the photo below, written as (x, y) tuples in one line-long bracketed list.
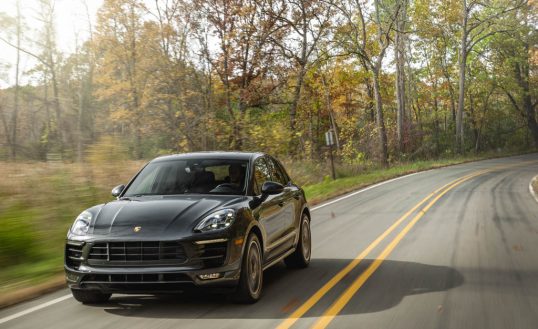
[(346, 296)]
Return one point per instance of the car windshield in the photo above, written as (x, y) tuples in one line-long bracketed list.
[(201, 176)]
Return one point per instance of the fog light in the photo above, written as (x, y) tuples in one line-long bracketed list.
[(72, 277), (210, 276)]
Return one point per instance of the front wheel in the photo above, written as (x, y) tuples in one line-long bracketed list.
[(301, 256), (251, 280), (90, 296)]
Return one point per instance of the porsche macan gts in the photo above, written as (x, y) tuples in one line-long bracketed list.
[(208, 219)]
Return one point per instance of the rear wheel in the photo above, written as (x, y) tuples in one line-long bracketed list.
[(301, 256), (251, 278), (90, 296)]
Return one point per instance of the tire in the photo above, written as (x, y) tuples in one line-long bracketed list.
[(90, 296), (300, 258), (250, 284)]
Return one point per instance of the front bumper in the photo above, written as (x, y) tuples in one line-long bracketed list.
[(139, 277), (150, 280)]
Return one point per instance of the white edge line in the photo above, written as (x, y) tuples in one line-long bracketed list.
[(366, 189), (531, 189), (35, 308), (61, 299)]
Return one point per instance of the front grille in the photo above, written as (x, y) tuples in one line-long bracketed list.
[(137, 278), (73, 254), (146, 252)]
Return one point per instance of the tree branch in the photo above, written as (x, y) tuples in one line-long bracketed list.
[(27, 52)]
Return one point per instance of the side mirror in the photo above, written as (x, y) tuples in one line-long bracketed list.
[(269, 188), (116, 191)]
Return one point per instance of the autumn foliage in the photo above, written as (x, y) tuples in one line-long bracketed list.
[(394, 79)]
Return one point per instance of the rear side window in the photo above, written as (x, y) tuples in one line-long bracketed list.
[(276, 172), (262, 173)]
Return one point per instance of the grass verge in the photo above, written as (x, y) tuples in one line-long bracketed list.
[(328, 189)]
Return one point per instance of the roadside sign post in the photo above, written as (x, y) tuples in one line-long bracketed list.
[(329, 140)]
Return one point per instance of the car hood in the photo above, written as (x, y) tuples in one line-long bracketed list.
[(157, 216)]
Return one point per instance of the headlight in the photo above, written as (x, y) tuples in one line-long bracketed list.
[(216, 221), (82, 223)]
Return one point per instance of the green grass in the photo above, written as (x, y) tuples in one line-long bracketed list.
[(329, 188), (29, 274), (40, 201)]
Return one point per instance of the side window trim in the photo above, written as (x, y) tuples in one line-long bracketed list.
[(284, 173)]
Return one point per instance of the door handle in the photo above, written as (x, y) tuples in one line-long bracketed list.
[(281, 203)]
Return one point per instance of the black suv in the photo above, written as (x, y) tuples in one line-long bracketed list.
[(208, 219)]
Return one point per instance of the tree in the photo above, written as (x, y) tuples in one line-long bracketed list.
[(479, 21), (354, 39), (305, 23), (243, 30), (399, 54), (121, 80), (16, 24)]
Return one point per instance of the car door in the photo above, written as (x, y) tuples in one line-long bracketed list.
[(270, 213), (288, 203)]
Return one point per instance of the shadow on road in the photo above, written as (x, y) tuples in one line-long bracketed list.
[(285, 290)]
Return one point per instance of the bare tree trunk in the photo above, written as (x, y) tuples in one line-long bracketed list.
[(446, 73), (382, 133), (79, 124), (461, 95), (436, 118), (57, 109), (296, 97), (462, 69), (86, 89), (302, 70), (14, 118), (370, 108), (48, 59), (5, 125), (400, 75), (47, 110)]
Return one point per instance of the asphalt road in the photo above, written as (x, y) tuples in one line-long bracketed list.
[(464, 258)]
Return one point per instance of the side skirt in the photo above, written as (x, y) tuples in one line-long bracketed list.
[(278, 259)]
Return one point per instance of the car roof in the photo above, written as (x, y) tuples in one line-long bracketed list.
[(210, 155)]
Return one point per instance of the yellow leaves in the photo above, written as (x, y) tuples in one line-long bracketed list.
[(121, 115), (110, 89), (269, 135)]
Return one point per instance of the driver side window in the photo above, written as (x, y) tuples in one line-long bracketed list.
[(261, 175)]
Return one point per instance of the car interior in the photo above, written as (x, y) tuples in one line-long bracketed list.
[(180, 177)]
